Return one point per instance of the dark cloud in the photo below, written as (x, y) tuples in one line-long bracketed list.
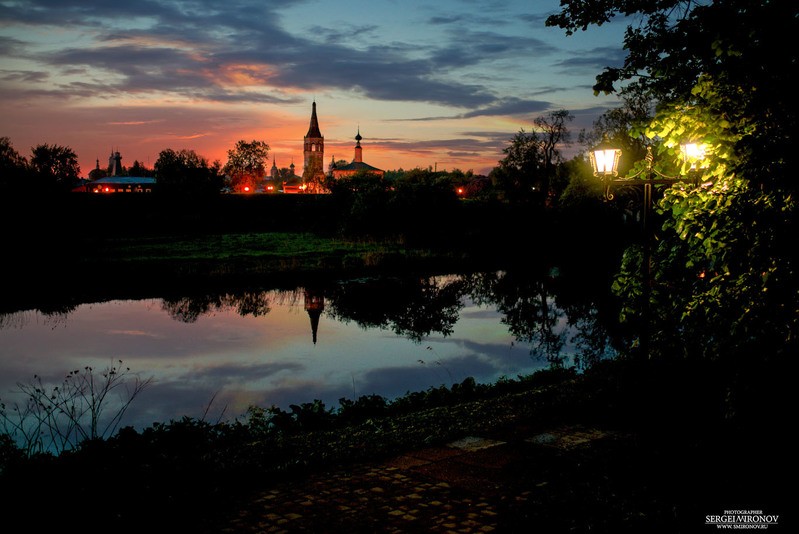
[(345, 34), (536, 20), (160, 46), (476, 146), (499, 107), (479, 14), (593, 60), (10, 46), (24, 76), (467, 48), (393, 382), (445, 20), (510, 107), (236, 373)]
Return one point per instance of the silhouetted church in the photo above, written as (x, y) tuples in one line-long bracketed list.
[(114, 164), (357, 165), (313, 174)]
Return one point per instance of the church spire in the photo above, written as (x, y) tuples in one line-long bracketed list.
[(313, 129), (313, 173), (274, 172)]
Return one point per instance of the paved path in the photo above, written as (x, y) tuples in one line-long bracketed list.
[(462, 487)]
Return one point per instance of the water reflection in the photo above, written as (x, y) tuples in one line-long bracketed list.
[(410, 307), (326, 341)]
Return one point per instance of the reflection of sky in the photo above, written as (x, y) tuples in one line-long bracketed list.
[(224, 362)]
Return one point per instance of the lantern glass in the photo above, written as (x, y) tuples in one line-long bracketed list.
[(693, 154), (605, 159)]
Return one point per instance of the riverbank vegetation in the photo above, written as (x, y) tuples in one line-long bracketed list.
[(681, 451)]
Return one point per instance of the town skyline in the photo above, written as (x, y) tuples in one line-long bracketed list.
[(444, 86)]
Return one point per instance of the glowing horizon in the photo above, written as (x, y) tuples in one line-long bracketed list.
[(434, 88)]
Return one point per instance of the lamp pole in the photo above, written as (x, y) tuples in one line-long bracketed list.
[(605, 160)]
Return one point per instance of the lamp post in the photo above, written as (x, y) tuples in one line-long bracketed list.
[(605, 161)]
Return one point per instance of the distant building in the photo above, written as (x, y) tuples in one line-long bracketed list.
[(313, 173), (357, 165), (273, 183), (121, 184), (293, 184), (274, 173), (115, 164), (97, 172)]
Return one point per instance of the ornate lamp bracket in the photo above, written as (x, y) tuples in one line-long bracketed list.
[(651, 175)]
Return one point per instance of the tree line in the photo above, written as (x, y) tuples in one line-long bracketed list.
[(532, 170)]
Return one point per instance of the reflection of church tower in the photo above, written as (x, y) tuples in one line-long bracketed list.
[(314, 152), (314, 305)]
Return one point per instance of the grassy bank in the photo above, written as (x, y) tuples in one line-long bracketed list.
[(63, 251)]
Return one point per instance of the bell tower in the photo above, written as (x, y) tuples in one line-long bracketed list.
[(314, 151)]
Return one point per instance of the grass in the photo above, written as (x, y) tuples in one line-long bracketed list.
[(92, 267), (254, 253), (224, 247)]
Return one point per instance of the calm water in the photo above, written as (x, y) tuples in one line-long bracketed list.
[(214, 355)]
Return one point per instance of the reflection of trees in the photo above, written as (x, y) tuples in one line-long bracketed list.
[(22, 318), (545, 311), (591, 339), (189, 309), (583, 295), (413, 308), (528, 307), (544, 308)]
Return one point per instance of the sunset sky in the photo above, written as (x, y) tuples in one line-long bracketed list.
[(444, 85)]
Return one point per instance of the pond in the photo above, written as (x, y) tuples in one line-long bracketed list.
[(212, 355)]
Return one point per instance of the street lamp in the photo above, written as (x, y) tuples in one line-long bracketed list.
[(605, 160), (693, 154)]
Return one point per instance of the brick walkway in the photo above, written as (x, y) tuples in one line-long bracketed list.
[(461, 487)]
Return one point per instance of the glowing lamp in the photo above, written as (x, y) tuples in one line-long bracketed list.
[(605, 159), (246, 188), (693, 154)]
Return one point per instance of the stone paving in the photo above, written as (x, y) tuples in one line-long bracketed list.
[(457, 488)]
